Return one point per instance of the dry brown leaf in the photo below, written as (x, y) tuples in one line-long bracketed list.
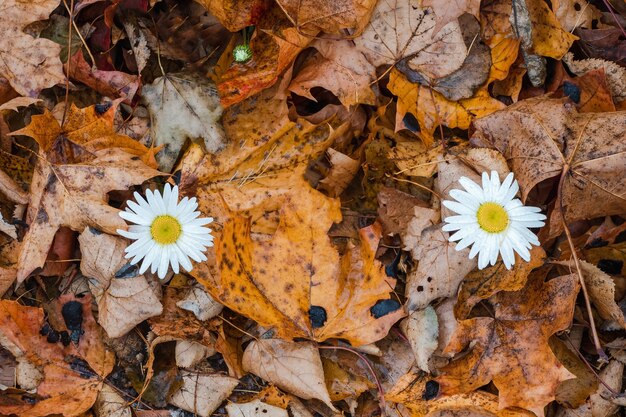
[(321, 294), (339, 67), (124, 298), (342, 384), (293, 367), (481, 284), (412, 392), (548, 37), (511, 349), (601, 289), (201, 304), (330, 17), (449, 11), (544, 138), (440, 270), (421, 327), (615, 74), (235, 14), (432, 109), (29, 64), (415, 159), (402, 32), (202, 394), (111, 404), (72, 375), (573, 393), (342, 171)]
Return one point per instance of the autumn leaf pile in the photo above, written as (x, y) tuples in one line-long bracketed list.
[(331, 288)]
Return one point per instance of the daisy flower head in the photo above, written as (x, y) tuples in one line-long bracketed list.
[(166, 232), (492, 220)]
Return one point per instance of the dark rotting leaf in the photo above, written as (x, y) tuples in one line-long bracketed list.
[(318, 317), (384, 307)]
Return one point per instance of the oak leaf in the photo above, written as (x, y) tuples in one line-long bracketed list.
[(123, 301), (72, 375), (293, 367), (511, 349), (543, 138), (29, 64)]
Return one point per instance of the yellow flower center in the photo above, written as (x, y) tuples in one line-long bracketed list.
[(165, 229), (492, 217)]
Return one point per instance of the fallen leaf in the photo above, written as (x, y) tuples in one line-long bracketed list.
[(293, 367), (415, 159), (402, 213), (72, 375), (590, 92), (201, 304), (321, 294), (342, 384), (440, 270), (189, 354), (422, 329), (403, 32), (615, 74), (202, 394), (29, 64), (544, 138), (420, 396), (573, 393), (548, 37), (601, 290), (511, 349), (339, 67), (449, 11), (275, 46), (342, 172), (255, 408), (432, 109), (481, 284), (236, 14), (110, 404), (124, 298), (575, 13), (183, 107), (330, 17)]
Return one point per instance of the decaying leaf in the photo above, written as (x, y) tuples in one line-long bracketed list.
[(422, 329), (544, 138), (202, 394), (124, 298), (72, 375), (449, 11), (183, 107), (517, 334), (255, 408), (293, 367), (29, 64)]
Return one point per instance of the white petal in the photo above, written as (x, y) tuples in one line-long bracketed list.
[(144, 212), (480, 239), (129, 235), (483, 254), (462, 219), (495, 182), (507, 253), (505, 187), (466, 231), (149, 259), (458, 207), (182, 258), (472, 188), (511, 192), (140, 200), (173, 203), (494, 250), (173, 258), (465, 242), (132, 217), (164, 262), (487, 188), (465, 198), (155, 202)]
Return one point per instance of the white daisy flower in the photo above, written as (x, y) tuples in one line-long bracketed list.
[(165, 231), (492, 220)]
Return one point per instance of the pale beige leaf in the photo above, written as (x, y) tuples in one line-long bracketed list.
[(422, 330), (189, 353), (293, 367), (17, 102), (201, 394), (110, 404), (122, 302), (183, 107), (342, 171), (201, 304), (449, 11), (416, 159), (255, 408), (423, 217), (440, 270), (29, 64)]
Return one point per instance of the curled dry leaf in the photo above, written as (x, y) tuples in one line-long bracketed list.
[(293, 367), (615, 74), (183, 107), (481, 284), (202, 394), (544, 138), (29, 64), (330, 17), (342, 171), (518, 333), (601, 289), (72, 375), (124, 298), (420, 396)]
